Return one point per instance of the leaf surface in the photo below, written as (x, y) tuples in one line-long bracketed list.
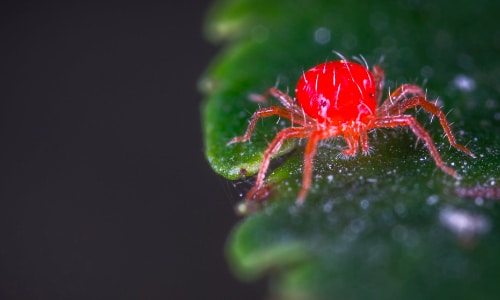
[(389, 225)]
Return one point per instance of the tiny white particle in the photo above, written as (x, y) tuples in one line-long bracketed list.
[(322, 35), (464, 223), (400, 209), (464, 83), (364, 204), (327, 207), (432, 199), (330, 178)]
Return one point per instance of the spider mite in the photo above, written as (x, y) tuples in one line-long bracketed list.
[(343, 98)]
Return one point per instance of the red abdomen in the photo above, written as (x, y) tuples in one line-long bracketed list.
[(337, 92)]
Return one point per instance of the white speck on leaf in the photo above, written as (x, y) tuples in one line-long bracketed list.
[(464, 83), (463, 223), (322, 35)]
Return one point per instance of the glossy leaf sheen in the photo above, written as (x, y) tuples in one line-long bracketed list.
[(389, 225)]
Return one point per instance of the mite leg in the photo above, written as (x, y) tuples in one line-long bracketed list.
[(283, 97), (435, 111), (421, 133), (290, 104), (266, 112), (379, 75), (352, 144), (391, 105), (310, 152), (363, 140), (274, 146)]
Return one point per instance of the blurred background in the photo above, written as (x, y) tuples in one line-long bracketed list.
[(104, 189)]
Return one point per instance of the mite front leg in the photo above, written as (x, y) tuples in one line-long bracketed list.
[(309, 154), (290, 104), (283, 97), (266, 112), (273, 148)]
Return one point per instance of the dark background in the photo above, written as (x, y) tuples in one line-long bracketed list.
[(104, 189)]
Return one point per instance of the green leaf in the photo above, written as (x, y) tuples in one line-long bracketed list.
[(389, 225)]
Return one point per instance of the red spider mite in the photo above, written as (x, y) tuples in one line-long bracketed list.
[(339, 98)]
